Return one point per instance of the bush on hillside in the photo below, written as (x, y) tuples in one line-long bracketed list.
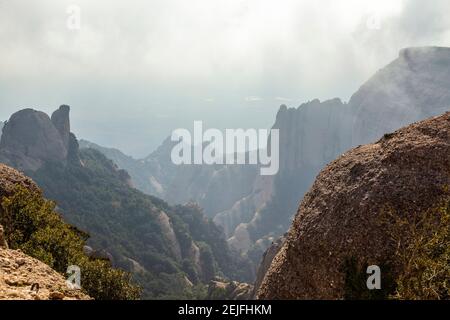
[(32, 225)]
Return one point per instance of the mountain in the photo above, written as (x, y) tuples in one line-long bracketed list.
[(1, 128), (385, 204), (171, 250), (254, 210), (411, 88)]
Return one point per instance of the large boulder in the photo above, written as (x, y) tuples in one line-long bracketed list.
[(30, 139), (339, 218)]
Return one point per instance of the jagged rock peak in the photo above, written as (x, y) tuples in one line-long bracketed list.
[(30, 138), (60, 119)]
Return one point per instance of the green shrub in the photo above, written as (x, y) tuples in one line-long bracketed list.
[(424, 255), (32, 225)]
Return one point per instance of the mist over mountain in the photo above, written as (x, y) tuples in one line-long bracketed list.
[(212, 220), (156, 73), (254, 210), (413, 87)]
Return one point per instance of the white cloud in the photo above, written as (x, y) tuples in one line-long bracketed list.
[(253, 99), (133, 52)]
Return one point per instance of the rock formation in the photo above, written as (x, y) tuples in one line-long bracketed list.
[(266, 261), (30, 139), (60, 119), (221, 289), (405, 172), (25, 278)]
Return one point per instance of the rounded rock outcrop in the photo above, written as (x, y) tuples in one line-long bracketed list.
[(406, 171)]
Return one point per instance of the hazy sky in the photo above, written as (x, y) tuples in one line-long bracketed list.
[(136, 69)]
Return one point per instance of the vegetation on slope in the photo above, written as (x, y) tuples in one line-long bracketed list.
[(95, 196), (419, 268), (32, 225)]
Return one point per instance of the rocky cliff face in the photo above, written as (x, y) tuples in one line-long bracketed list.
[(30, 138), (60, 119), (310, 137), (266, 262), (1, 128), (339, 218)]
